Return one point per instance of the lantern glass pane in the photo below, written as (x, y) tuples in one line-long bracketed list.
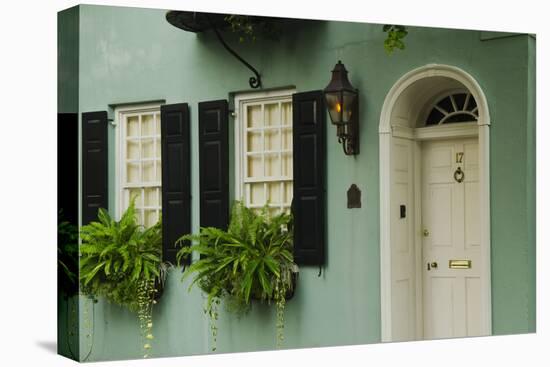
[(334, 104), (349, 101)]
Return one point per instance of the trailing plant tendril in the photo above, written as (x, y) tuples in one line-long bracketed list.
[(213, 315), (280, 299), (146, 292), (252, 259), (121, 261)]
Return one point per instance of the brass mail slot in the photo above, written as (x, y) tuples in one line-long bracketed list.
[(460, 264)]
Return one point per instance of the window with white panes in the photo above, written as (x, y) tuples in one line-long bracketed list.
[(139, 164), (265, 151)]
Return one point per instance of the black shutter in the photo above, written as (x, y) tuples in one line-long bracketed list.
[(309, 156), (67, 196), (176, 177), (67, 166), (94, 164), (214, 164)]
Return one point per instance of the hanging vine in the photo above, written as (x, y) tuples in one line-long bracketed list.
[(280, 300), (146, 293), (394, 38), (211, 310)]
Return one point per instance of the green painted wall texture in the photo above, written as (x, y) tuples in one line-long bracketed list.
[(131, 55), (67, 102), (67, 56)]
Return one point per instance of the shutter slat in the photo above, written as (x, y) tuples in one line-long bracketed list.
[(214, 164), (176, 176), (94, 164), (309, 198)]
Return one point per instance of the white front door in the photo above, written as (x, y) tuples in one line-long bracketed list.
[(451, 239)]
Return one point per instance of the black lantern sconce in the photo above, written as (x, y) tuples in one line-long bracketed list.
[(343, 107)]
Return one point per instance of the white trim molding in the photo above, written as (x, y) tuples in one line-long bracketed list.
[(385, 238), (434, 70), (393, 127), (455, 130)]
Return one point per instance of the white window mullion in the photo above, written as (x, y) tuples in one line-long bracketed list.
[(466, 101), (142, 204), (245, 140), (262, 138), (159, 203), (280, 155), (123, 163), (444, 112), (140, 165), (154, 155), (282, 196), (453, 103), (248, 198)]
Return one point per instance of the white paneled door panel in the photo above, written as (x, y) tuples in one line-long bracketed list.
[(450, 229), (403, 273)]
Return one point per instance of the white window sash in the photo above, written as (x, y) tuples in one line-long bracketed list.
[(123, 187), (243, 182)]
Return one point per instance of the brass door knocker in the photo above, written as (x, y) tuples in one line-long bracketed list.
[(459, 175)]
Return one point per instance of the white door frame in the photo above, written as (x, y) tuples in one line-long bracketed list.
[(388, 130)]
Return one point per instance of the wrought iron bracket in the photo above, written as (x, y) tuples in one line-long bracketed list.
[(348, 135), (254, 81)]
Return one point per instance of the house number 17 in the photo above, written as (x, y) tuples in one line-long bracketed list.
[(459, 157)]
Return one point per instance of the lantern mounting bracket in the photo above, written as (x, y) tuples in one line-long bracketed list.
[(254, 81), (348, 135)]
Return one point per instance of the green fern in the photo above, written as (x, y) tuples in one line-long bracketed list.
[(121, 261), (252, 259), (118, 256)]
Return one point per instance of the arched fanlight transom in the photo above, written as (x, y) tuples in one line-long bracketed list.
[(455, 107)]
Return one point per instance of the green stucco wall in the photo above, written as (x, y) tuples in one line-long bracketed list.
[(67, 56), (132, 55), (67, 102), (530, 187)]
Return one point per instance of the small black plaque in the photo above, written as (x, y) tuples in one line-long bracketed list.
[(402, 211), (354, 197)]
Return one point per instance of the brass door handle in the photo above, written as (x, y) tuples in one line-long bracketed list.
[(460, 264), (426, 233)]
